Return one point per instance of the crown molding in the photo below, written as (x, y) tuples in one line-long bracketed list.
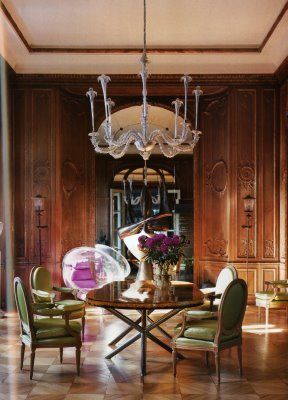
[(282, 71), (169, 80), (157, 50)]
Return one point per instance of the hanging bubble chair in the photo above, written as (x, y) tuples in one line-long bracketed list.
[(88, 268)]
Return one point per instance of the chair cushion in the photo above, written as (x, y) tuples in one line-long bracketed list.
[(47, 328), (264, 295), (81, 275), (268, 295), (203, 330), (64, 340), (70, 305)]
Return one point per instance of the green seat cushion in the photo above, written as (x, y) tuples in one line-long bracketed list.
[(64, 340), (70, 305), (204, 330), (268, 295), (47, 328)]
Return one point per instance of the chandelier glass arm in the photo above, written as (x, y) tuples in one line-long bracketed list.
[(145, 141)]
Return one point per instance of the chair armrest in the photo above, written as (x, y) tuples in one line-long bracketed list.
[(183, 326), (66, 290), (214, 296), (63, 289), (209, 290), (40, 306), (49, 312), (42, 293)]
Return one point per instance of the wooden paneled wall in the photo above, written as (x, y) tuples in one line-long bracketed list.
[(240, 152), (239, 155)]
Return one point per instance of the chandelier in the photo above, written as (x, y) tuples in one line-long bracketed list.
[(183, 139)]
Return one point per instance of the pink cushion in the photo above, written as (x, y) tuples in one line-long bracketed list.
[(81, 274)]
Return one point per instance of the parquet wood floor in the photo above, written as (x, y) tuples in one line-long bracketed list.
[(265, 360)]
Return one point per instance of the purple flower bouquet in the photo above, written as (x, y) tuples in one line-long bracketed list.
[(165, 251)]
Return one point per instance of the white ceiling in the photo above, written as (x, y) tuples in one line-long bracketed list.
[(118, 24)]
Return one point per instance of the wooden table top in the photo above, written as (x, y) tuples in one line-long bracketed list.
[(116, 295)]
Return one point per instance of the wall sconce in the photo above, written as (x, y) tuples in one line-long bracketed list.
[(39, 208), (249, 203)]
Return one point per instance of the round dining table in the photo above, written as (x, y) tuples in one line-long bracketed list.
[(119, 295)]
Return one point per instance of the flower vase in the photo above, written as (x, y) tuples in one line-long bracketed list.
[(162, 281)]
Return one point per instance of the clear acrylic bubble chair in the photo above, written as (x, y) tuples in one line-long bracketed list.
[(88, 268)]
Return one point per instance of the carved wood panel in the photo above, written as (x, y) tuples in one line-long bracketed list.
[(77, 185), (42, 174), (22, 224), (268, 159), (215, 179), (245, 132)]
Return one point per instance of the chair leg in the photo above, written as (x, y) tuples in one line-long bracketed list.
[(83, 326), (78, 357), (267, 316), (259, 313), (22, 355), (32, 358), (217, 363), (61, 355), (207, 359), (239, 348), (174, 359)]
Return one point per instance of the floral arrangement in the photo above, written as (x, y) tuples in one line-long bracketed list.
[(165, 251)]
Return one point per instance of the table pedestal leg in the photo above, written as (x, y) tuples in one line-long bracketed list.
[(143, 342)]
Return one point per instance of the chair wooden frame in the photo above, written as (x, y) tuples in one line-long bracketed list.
[(51, 295), (32, 341), (218, 346)]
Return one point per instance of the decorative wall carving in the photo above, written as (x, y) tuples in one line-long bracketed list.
[(71, 177), (217, 177), (246, 176), (217, 247), (243, 249), (269, 248)]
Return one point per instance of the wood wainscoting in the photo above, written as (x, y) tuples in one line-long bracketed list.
[(242, 151)]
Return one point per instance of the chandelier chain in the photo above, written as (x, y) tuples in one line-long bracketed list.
[(145, 29)]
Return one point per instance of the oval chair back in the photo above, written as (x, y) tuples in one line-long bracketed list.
[(227, 275), (231, 312), (24, 308), (40, 279)]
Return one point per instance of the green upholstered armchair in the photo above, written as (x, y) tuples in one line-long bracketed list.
[(215, 335), (275, 296), (44, 332), (213, 295), (43, 292)]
